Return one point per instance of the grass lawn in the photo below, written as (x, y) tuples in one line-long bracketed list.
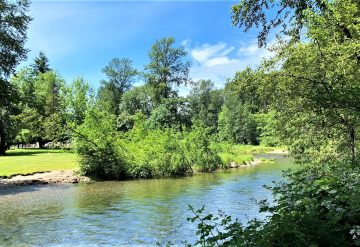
[(26, 161)]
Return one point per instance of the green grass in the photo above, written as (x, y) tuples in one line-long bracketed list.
[(241, 154), (227, 158), (27, 161)]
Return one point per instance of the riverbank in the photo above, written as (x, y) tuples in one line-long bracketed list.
[(53, 177), (71, 176), (35, 166)]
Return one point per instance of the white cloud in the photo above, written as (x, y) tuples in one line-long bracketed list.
[(221, 61), (205, 52), (250, 49)]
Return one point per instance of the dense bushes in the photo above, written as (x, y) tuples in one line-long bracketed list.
[(156, 153), (142, 152), (199, 149), (101, 152)]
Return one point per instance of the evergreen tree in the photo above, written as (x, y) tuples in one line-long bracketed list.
[(41, 64)]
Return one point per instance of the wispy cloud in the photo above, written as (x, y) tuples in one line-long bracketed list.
[(221, 61)]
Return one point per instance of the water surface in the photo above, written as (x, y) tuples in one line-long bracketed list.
[(138, 212)]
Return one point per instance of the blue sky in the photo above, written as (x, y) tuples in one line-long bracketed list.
[(81, 37)]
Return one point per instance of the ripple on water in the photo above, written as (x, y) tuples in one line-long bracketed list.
[(140, 212)]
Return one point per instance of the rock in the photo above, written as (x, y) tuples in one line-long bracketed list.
[(233, 165)]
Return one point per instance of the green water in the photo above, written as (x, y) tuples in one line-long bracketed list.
[(129, 213)]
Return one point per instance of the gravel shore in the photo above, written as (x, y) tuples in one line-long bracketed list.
[(68, 176)]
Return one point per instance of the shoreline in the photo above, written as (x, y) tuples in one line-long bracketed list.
[(51, 177), (70, 176)]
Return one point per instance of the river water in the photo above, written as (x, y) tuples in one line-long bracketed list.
[(130, 213)]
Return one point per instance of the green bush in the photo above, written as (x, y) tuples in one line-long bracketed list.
[(143, 152), (101, 152), (199, 150), (158, 153)]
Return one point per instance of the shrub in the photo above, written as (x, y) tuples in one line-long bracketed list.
[(158, 153), (199, 150), (101, 152)]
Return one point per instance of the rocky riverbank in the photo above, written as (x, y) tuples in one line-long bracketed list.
[(53, 177)]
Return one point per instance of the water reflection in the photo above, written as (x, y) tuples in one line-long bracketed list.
[(129, 212)]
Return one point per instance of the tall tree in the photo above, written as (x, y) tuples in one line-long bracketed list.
[(78, 100), (42, 104), (41, 63), (13, 25), (205, 103), (167, 67), (120, 76), (319, 87)]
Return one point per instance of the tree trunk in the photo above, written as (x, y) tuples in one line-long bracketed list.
[(3, 147), (41, 144)]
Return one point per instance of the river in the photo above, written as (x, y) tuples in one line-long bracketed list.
[(130, 213)]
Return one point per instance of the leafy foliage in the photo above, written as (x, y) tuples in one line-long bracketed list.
[(157, 153), (237, 125), (289, 18), (200, 152), (121, 75), (315, 98), (14, 23), (141, 152), (205, 103), (312, 208), (101, 153), (167, 67), (41, 64)]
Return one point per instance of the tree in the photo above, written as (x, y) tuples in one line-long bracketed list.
[(120, 76), (42, 104), (289, 15), (245, 96), (24, 82), (41, 63), (290, 18), (101, 154), (14, 23), (316, 96), (237, 125), (171, 113), (137, 99), (167, 68), (50, 92), (205, 103), (317, 90), (78, 100)]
